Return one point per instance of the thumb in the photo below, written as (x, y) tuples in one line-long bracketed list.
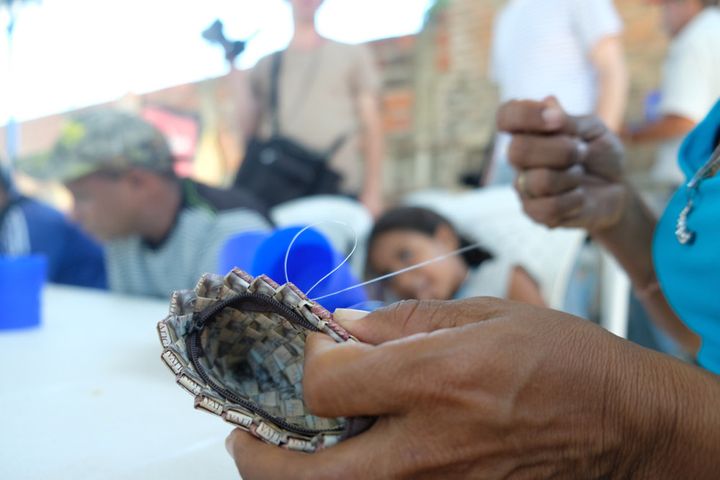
[(586, 127), (411, 317), (386, 324)]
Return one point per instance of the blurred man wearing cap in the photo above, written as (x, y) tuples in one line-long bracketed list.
[(28, 227), (161, 232), (691, 82)]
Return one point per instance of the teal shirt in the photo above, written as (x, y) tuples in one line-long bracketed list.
[(690, 274)]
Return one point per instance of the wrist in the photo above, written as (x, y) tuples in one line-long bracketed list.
[(644, 413), (666, 418)]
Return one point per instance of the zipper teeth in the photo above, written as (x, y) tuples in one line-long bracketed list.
[(196, 351), (288, 313)]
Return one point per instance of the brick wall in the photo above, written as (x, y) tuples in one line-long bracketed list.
[(454, 102)]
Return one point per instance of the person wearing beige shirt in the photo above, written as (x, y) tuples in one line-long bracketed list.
[(329, 92)]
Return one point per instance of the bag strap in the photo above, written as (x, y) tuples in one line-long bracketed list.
[(275, 68), (337, 145)]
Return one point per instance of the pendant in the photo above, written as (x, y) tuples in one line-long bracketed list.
[(683, 234)]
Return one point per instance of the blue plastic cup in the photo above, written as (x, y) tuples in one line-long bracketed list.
[(311, 258), (239, 251), (21, 283)]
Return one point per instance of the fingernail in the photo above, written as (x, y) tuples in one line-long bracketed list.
[(553, 117), (349, 315)]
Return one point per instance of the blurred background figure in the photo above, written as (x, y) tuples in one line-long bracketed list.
[(565, 48), (437, 98), (328, 102), (690, 87), (407, 236), (29, 227), (161, 233)]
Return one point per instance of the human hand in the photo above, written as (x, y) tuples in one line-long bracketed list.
[(569, 168), (471, 389)]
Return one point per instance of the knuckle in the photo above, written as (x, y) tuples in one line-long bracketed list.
[(312, 394), (555, 205), (518, 151), (544, 216), (315, 385), (544, 183), (500, 121), (553, 222), (548, 212), (437, 316), (569, 151), (403, 313), (531, 211), (505, 114)]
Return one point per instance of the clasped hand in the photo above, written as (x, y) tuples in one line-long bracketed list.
[(479, 388)]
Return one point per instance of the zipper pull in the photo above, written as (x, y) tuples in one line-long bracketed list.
[(198, 323)]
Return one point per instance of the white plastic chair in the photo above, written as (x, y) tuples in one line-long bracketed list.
[(615, 288), (494, 217), (326, 211)]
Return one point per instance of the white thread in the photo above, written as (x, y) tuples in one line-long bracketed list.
[(400, 272), (347, 258), (459, 251)]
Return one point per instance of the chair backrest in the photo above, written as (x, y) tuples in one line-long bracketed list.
[(494, 217), (327, 213)]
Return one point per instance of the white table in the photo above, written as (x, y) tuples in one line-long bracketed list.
[(86, 396)]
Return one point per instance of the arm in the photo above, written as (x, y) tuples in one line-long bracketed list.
[(630, 242), (236, 121), (374, 149), (573, 177), (245, 95), (668, 127), (524, 289), (608, 58)]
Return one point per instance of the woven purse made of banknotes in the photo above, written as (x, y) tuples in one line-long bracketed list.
[(237, 345)]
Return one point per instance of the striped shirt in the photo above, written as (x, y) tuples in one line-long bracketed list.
[(542, 48), (207, 219)]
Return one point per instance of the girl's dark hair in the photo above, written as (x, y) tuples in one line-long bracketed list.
[(422, 220)]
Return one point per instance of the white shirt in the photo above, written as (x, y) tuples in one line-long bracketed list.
[(491, 279), (542, 48), (691, 84)]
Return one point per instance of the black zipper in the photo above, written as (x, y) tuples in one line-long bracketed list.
[(262, 303)]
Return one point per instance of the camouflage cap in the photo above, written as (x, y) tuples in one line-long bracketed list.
[(106, 140)]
